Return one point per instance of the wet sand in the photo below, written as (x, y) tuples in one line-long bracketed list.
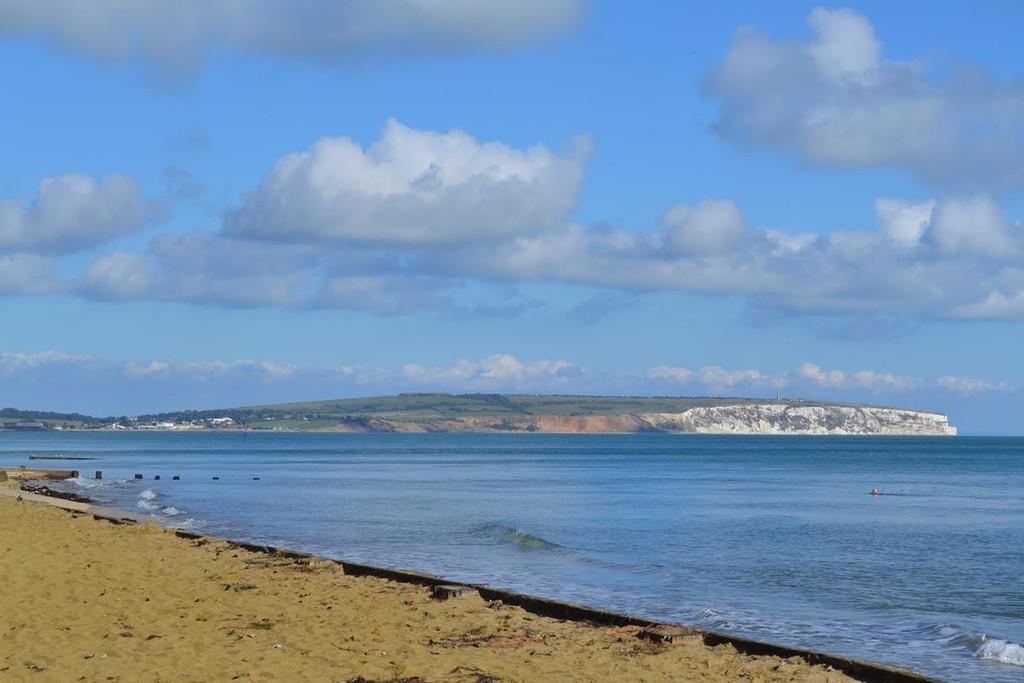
[(86, 600)]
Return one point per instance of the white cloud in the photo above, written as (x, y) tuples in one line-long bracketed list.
[(870, 379), (669, 373), (200, 268), (493, 372), (204, 371), (951, 258), (411, 187), (26, 274), (971, 385), (12, 363), (959, 260), (713, 226), (810, 376), (216, 383), (825, 378), (831, 99), (974, 226), (902, 221), (994, 305), (72, 212), (717, 378), (845, 44), (180, 34)]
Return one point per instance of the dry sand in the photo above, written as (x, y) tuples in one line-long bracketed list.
[(86, 600)]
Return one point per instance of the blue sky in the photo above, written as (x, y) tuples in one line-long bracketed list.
[(202, 205)]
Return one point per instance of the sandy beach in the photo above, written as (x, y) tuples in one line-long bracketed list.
[(87, 600)]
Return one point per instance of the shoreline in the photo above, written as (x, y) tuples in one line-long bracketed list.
[(524, 432), (585, 617)]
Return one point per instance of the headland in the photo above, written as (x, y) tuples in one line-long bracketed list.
[(520, 413)]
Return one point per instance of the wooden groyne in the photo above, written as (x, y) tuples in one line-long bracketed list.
[(35, 473), (58, 457)]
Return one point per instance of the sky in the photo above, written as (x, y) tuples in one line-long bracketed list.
[(210, 204)]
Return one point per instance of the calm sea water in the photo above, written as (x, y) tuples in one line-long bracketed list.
[(771, 537)]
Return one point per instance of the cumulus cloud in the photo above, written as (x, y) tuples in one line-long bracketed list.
[(902, 221), (30, 378), (717, 378), (26, 274), (411, 187), (407, 223), (869, 379), (714, 226), (810, 376), (72, 212), (669, 373), (12, 363), (995, 304), (180, 34), (972, 385), (825, 378), (951, 258), (975, 226), (832, 100), (204, 371), (199, 268), (210, 269), (495, 371), (942, 259)]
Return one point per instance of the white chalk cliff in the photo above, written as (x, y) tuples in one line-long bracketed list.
[(784, 418), (795, 417)]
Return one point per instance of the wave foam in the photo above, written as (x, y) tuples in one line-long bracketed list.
[(1002, 651), (981, 645), (84, 483), (148, 494)]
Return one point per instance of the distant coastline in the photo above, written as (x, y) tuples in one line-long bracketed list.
[(503, 413)]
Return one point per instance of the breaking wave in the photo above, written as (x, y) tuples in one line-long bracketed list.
[(147, 502), (980, 645), (516, 537), (146, 499), (82, 482), (1001, 651), (991, 649)]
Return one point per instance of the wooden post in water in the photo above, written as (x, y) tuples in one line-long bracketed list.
[(156, 478), (138, 476), (176, 478), (99, 475)]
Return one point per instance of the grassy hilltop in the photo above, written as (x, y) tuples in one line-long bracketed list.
[(428, 407), (371, 412)]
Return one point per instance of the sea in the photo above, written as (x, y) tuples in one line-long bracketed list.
[(775, 538)]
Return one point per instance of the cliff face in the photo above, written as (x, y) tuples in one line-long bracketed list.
[(772, 418), (747, 418)]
